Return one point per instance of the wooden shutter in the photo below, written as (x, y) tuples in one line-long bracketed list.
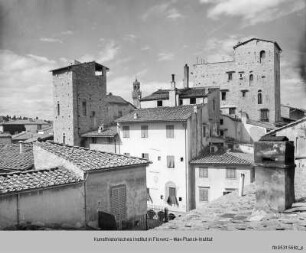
[(118, 202)]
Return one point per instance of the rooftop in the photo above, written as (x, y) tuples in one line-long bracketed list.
[(89, 160), (25, 122), (158, 114), (233, 213), (34, 179), (107, 132), (30, 137), (5, 135), (266, 125), (223, 157), (11, 159), (112, 99), (183, 93), (287, 126), (98, 66), (247, 41)]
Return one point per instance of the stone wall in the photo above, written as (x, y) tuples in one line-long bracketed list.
[(249, 75)]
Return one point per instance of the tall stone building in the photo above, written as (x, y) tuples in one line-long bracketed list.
[(136, 93), (249, 83), (79, 92)]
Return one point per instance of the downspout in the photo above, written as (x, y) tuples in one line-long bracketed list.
[(186, 166), (18, 209), (85, 200)]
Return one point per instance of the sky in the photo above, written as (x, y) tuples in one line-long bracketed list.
[(147, 39)]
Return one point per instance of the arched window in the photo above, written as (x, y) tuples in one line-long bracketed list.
[(259, 97), (251, 78), (262, 55)]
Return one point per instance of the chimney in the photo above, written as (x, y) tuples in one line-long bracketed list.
[(195, 109), (101, 128), (135, 115), (186, 76), (274, 172), (173, 81), (21, 147)]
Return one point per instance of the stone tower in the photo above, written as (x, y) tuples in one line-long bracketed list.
[(136, 93), (78, 94), (249, 83)]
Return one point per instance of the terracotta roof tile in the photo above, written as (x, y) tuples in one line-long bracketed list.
[(177, 113), (88, 160), (33, 179), (11, 159), (223, 157), (108, 132)]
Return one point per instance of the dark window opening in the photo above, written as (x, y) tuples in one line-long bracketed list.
[(84, 108), (193, 101), (159, 103), (229, 76), (232, 110), (204, 130), (251, 78), (221, 133), (221, 121), (181, 102), (127, 154), (58, 109), (145, 156), (170, 161), (259, 97), (262, 55), (223, 95), (64, 138)]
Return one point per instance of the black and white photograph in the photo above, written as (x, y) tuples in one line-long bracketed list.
[(153, 124)]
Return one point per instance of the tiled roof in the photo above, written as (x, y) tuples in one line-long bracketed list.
[(107, 132), (157, 95), (261, 124), (76, 63), (33, 179), (11, 159), (25, 122), (224, 158), (88, 160), (183, 93), (5, 135), (112, 99), (287, 126), (30, 137), (177, 113)]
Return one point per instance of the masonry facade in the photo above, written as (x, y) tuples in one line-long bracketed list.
[(78, 92), (249, 83)]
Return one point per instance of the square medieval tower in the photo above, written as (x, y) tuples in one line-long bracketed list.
[(79, 92)]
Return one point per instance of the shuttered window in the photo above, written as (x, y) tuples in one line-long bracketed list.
[(170, 161), (169, 131), (203, 193), (203, 172), (118, 202), (126, 132)]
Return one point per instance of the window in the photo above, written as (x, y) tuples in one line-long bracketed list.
[(193, 101), (229, 76), (214, 105), (39, 127), (241, 75), (203, 194), (119, 113), (84, 108), (232, 110), (243, 93), (181, 102), (231, 173), (159, 103), (223, 95), (93, 140), (127, 154), (204, 130), (170, 161), (58, 109), (264, 115), (144, 131), (221, 133), (169, 131), (221, 121), (172, 200), (259, 97), (159, 158), (203, 172), (251, 78), (64, 138), (126, 132), (118, 202), (145, 156), (262, 55)]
